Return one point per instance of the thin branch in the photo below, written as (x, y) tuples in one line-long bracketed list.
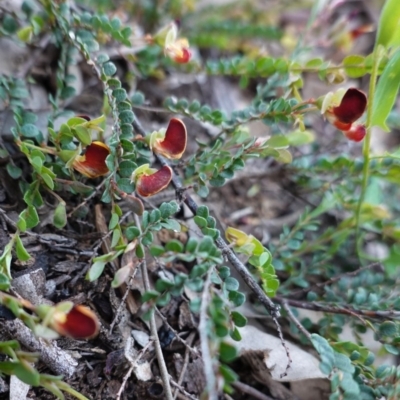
[(294, 319), (194, 352), (96, 190), (185, 362), (322, 285), (133, 363), (250, 391), (204, 345), (124, 381), (182, 390), (335, 309), (153, 328)]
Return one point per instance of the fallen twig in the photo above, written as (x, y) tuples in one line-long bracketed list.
[(194, 352), (153, 328), (204, 345), (294, 319), (181, 389), (58, 360), (250, 391), (335, 309), (185, 362)]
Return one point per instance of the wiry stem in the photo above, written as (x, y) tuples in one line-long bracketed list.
[(366, 146)]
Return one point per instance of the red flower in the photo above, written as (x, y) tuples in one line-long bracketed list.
[(78, 323), (351, 108), (173, 144), (93, 163), (356, 133), (342, 109), (149, 182)]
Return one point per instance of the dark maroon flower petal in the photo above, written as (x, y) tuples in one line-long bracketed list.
[(148, 185), (174, 143), (80, 323), (352, 106)]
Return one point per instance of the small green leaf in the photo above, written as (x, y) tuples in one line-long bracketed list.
[(96, 270), (231, 283), (113, 221), (200, 221), (228, 373), (239, 319), (300, 138), (164, 284), (150, 295), (235, 334), (22, 254), (201, 190), (202, 211), (354, 66), (227, 352), (109, 68), (137, 98), (165, 210), (119, 94), (139, 251), (125, 185), (278, 141), (25, 34), (157, 251), (217, 181), (237, 298), (172, 224), (82, 134), (388, 328), (27, 373), (21, 224), (126, 117), (48, 180), (14, 171), (132, 232), (4, 282), (30, 216), (126, 168), (174, 245), (30, 131), (195, 305), (224, 272), (60, 216)]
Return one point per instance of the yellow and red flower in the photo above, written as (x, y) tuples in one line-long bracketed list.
[(93, 163), (149, 181), (176, 48), (171, 143), (77, 322)]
